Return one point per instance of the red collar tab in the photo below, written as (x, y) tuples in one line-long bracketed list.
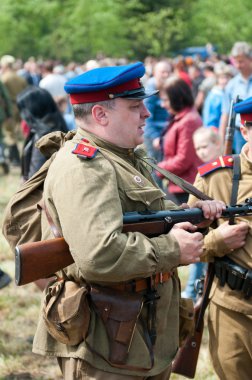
[(107, 94), (220, 162), (85, 151)]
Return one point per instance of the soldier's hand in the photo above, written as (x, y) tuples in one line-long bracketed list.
[(190, 243), (187, 226), (234, 235), (211, 210)]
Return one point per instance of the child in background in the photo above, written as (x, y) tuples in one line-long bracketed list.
[(208, 146), (212, 108), (207, 143)]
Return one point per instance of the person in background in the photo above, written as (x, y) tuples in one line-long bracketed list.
[(11, 126), (207, 143), (41, 114), (53, 79), (157, 122), (240, 85), (92, 181), (180, 70), (211, 112), (30, 72), (71, 70), (179, 155), (5, 279), (196, 76), (63, 106), (230, 247), (208, 146), (5, 114), (205, 86)]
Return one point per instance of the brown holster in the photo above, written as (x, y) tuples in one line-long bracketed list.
[(119, 312)]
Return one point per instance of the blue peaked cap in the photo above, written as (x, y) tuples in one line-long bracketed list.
[(244, 108), (108, 83)]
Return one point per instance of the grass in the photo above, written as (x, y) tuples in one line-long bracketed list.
[(19, 310)]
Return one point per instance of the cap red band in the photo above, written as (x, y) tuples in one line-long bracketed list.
[(99, 96), (246, 117)]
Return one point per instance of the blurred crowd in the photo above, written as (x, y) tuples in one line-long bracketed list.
[(193, 93), (212, 82)]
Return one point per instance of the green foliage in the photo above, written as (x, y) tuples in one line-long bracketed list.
[(157, 33), (220, 22), (82, 29)]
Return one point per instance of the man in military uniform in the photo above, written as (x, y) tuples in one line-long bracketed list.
[(5, 114), (11, 126), (230, 311), (93, 180)]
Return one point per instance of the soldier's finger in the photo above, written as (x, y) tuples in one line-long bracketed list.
[(198, 236)]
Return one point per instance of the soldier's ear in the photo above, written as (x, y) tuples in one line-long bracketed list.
[(244, 132), (100, 115)]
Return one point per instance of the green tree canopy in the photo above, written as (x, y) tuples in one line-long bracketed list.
[(82, 29)]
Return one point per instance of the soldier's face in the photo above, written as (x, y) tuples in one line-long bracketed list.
[(247, 135), (126, 122)]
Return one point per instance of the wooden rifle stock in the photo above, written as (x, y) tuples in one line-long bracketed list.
[(185, 362), (41, 259)]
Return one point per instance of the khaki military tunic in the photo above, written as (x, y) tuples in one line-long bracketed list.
[(228, 346), (87, 199), (14, 84)]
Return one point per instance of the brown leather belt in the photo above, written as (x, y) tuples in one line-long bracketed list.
[(141, 284)]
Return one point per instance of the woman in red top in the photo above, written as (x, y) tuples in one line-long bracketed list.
[(179, 155)]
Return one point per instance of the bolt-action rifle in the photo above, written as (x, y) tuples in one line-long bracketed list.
[(41, 259), (186, 360), (229, 136)]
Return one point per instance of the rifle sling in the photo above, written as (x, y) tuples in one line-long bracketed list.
[(183, 184), (54, 229), (205, 297)]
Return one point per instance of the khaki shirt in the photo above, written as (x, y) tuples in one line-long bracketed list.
[(14, 84), (86, 199), (218, 185)]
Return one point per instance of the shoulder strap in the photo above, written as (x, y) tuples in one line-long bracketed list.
[(186, 186)]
